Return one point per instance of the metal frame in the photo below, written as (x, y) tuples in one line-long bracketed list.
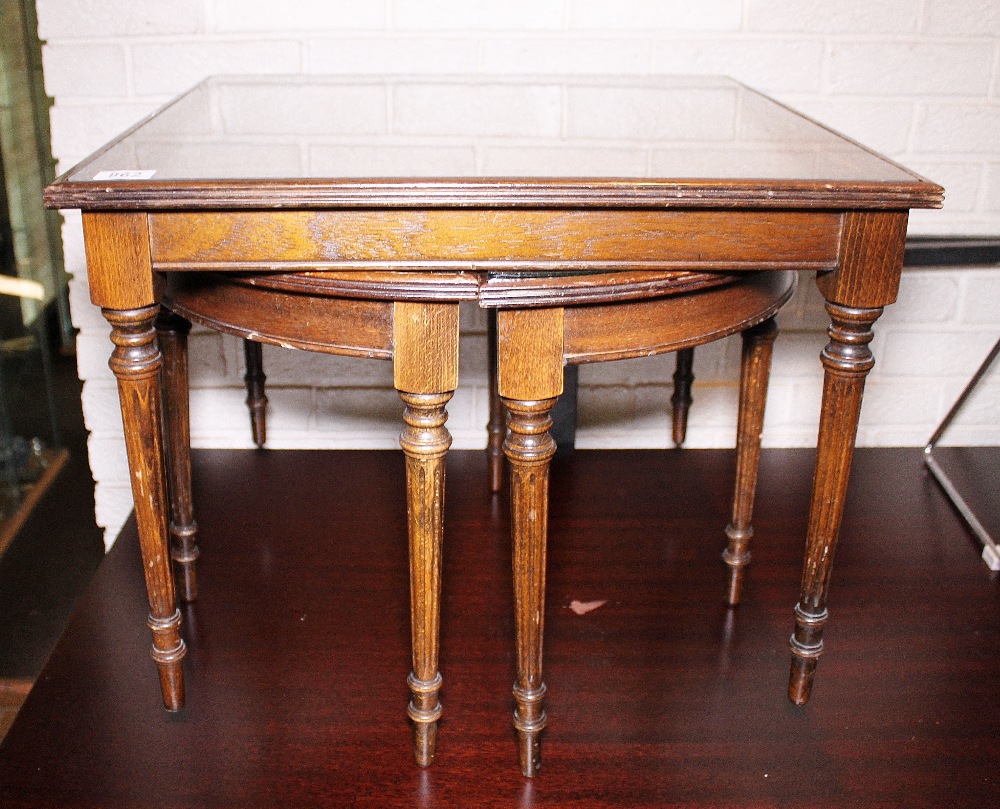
[(991, 551)]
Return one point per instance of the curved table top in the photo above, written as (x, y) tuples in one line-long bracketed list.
[(490, 289)]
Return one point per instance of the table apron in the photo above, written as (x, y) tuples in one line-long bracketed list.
[(526, 240)]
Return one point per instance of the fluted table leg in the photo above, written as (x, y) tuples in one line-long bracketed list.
[(136, 363), (425, 441), (425, 372), (755, 370), (529, 447), (496, 427), (530, 373), (847, 360), (172, 331)]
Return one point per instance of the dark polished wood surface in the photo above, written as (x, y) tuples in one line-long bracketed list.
[(666, 698)]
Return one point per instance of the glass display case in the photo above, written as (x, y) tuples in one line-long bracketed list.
[(34, 311), (30, 443)]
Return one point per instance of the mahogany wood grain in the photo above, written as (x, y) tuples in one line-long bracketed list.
[(665, 696)]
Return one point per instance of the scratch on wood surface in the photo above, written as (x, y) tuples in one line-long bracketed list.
[(583, 607)]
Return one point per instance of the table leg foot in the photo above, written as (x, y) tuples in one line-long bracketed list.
[(800, 679), (424, 710), (529, 721), (681, 399), (168, 652), (184, 554), (736, 557), (806, 645), (256, 401)]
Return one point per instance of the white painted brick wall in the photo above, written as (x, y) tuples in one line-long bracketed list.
[(302, 16), (652, 15), (459, 15), (916, 79), (911, 68), (820, 17), (114, 19), (158, 69)]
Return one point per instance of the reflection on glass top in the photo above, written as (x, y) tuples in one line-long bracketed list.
[(342, 128)]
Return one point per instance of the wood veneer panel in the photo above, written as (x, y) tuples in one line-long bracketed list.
[(330, 325), (608, 239), (642, 328)]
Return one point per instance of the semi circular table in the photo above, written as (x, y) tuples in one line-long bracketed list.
[(543, 323)]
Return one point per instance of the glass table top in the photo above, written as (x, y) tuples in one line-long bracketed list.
[(669, 137)]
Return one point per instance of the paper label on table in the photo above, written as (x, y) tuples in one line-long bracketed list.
[(125, 174)]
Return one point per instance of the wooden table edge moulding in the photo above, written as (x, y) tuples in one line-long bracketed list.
[(137, 232)]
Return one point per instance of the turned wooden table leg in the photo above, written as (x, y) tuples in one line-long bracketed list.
[(254, 380), (136, 363), (755, 371), (172, 331), (530, 366), (681, 398), (529, 448), (425, 370), (497, 426), (425, 441), (847, 360)]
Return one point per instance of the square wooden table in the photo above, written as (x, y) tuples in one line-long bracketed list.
[(462, 177)]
